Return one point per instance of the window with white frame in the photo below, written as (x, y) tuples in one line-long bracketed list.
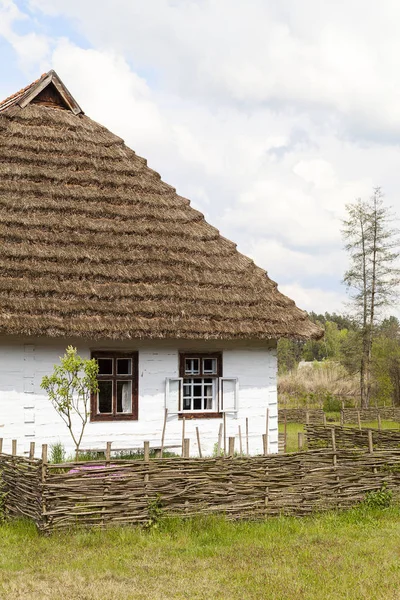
[(200, 373)]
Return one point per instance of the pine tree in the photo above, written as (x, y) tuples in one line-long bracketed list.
[(373, 277)]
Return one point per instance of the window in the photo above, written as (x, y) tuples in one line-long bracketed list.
[(200, 373), (117, 398)]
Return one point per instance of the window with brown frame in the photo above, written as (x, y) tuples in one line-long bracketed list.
[(117, 398), (200, 374)]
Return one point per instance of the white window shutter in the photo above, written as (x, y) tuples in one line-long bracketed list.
[(173, 394), (229, 394)]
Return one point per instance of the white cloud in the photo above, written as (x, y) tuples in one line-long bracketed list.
[(314, 299), (269, 116), (31, 48)]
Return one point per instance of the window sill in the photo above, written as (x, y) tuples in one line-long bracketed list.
[(200, 415), (122, 417)]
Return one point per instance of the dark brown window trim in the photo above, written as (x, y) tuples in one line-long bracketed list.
[(199, 415), (133, 416), (182, 356)]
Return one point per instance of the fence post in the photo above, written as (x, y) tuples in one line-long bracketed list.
[(219, 439), (32, 450), (370, 442), (247, 436), (224, 421), (285, 434), (198, 442), (379, 422), (334, 446), (163, 432), (183, 436), (265, 444), (359, 420), (1, 445), (240, 441), (108, 453), (324, 419), (231, 446), (300, 440), (14, 447), (307, 417), (341, 418), (186, 448), (146, 451)]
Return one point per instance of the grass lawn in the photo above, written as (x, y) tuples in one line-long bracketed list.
[(353, 555)]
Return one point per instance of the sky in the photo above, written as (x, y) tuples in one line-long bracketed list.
[(269, 115)]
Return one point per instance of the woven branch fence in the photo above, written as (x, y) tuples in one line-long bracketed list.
[(350, 415), (301, 415), (348, 437), (123, 492)]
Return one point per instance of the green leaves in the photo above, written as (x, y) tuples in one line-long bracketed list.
[(69, 389)]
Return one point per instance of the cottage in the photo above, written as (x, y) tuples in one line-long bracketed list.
[(98, 252)]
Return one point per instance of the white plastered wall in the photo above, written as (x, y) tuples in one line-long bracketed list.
[(27, 415)]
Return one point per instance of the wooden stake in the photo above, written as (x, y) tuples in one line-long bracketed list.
[(379, 422), (224, 434), (307, 417), (108, 453), (186, 448), (32, 450), (300, 440), (370, 442), (44, 463), (198, 442), (324, 419), (285, 434), (183, 436), (247, 436), (341, 418), (163, 432), (14, 447), (265, 444), (240, 441), (146, 451), (1, 445), (359, 420), (334, 446), (219, 439), (231, 446)]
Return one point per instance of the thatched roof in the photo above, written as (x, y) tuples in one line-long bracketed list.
[(94, 244)]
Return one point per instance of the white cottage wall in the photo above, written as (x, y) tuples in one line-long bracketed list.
[(27, 415)]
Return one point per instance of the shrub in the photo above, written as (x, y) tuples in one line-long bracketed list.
[(57, 453), (381, 498)]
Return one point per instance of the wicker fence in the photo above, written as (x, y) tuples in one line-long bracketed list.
[(301, 415), (350, 415), (348, 437), (123, 492)]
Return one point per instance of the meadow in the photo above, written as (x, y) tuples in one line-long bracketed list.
[(353, 555)]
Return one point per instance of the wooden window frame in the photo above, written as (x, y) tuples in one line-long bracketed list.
[(193, 414), (114, 416)]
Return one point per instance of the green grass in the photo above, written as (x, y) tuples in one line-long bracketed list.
[(352, 555)]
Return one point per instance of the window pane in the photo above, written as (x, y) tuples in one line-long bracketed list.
[(197, 403), (124, 396), (186, 404), (124, 366), (192, 366), (197, 390), (105, 366), (104, 397), (210, 366)]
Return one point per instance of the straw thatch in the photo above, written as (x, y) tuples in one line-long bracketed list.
[(94, 244)]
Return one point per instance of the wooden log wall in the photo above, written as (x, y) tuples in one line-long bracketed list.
[(21, 481), (371, 414), (299, 415), (349, 437), (123, 492)]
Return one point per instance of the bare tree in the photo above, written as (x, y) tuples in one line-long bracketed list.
[(373, 276)]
